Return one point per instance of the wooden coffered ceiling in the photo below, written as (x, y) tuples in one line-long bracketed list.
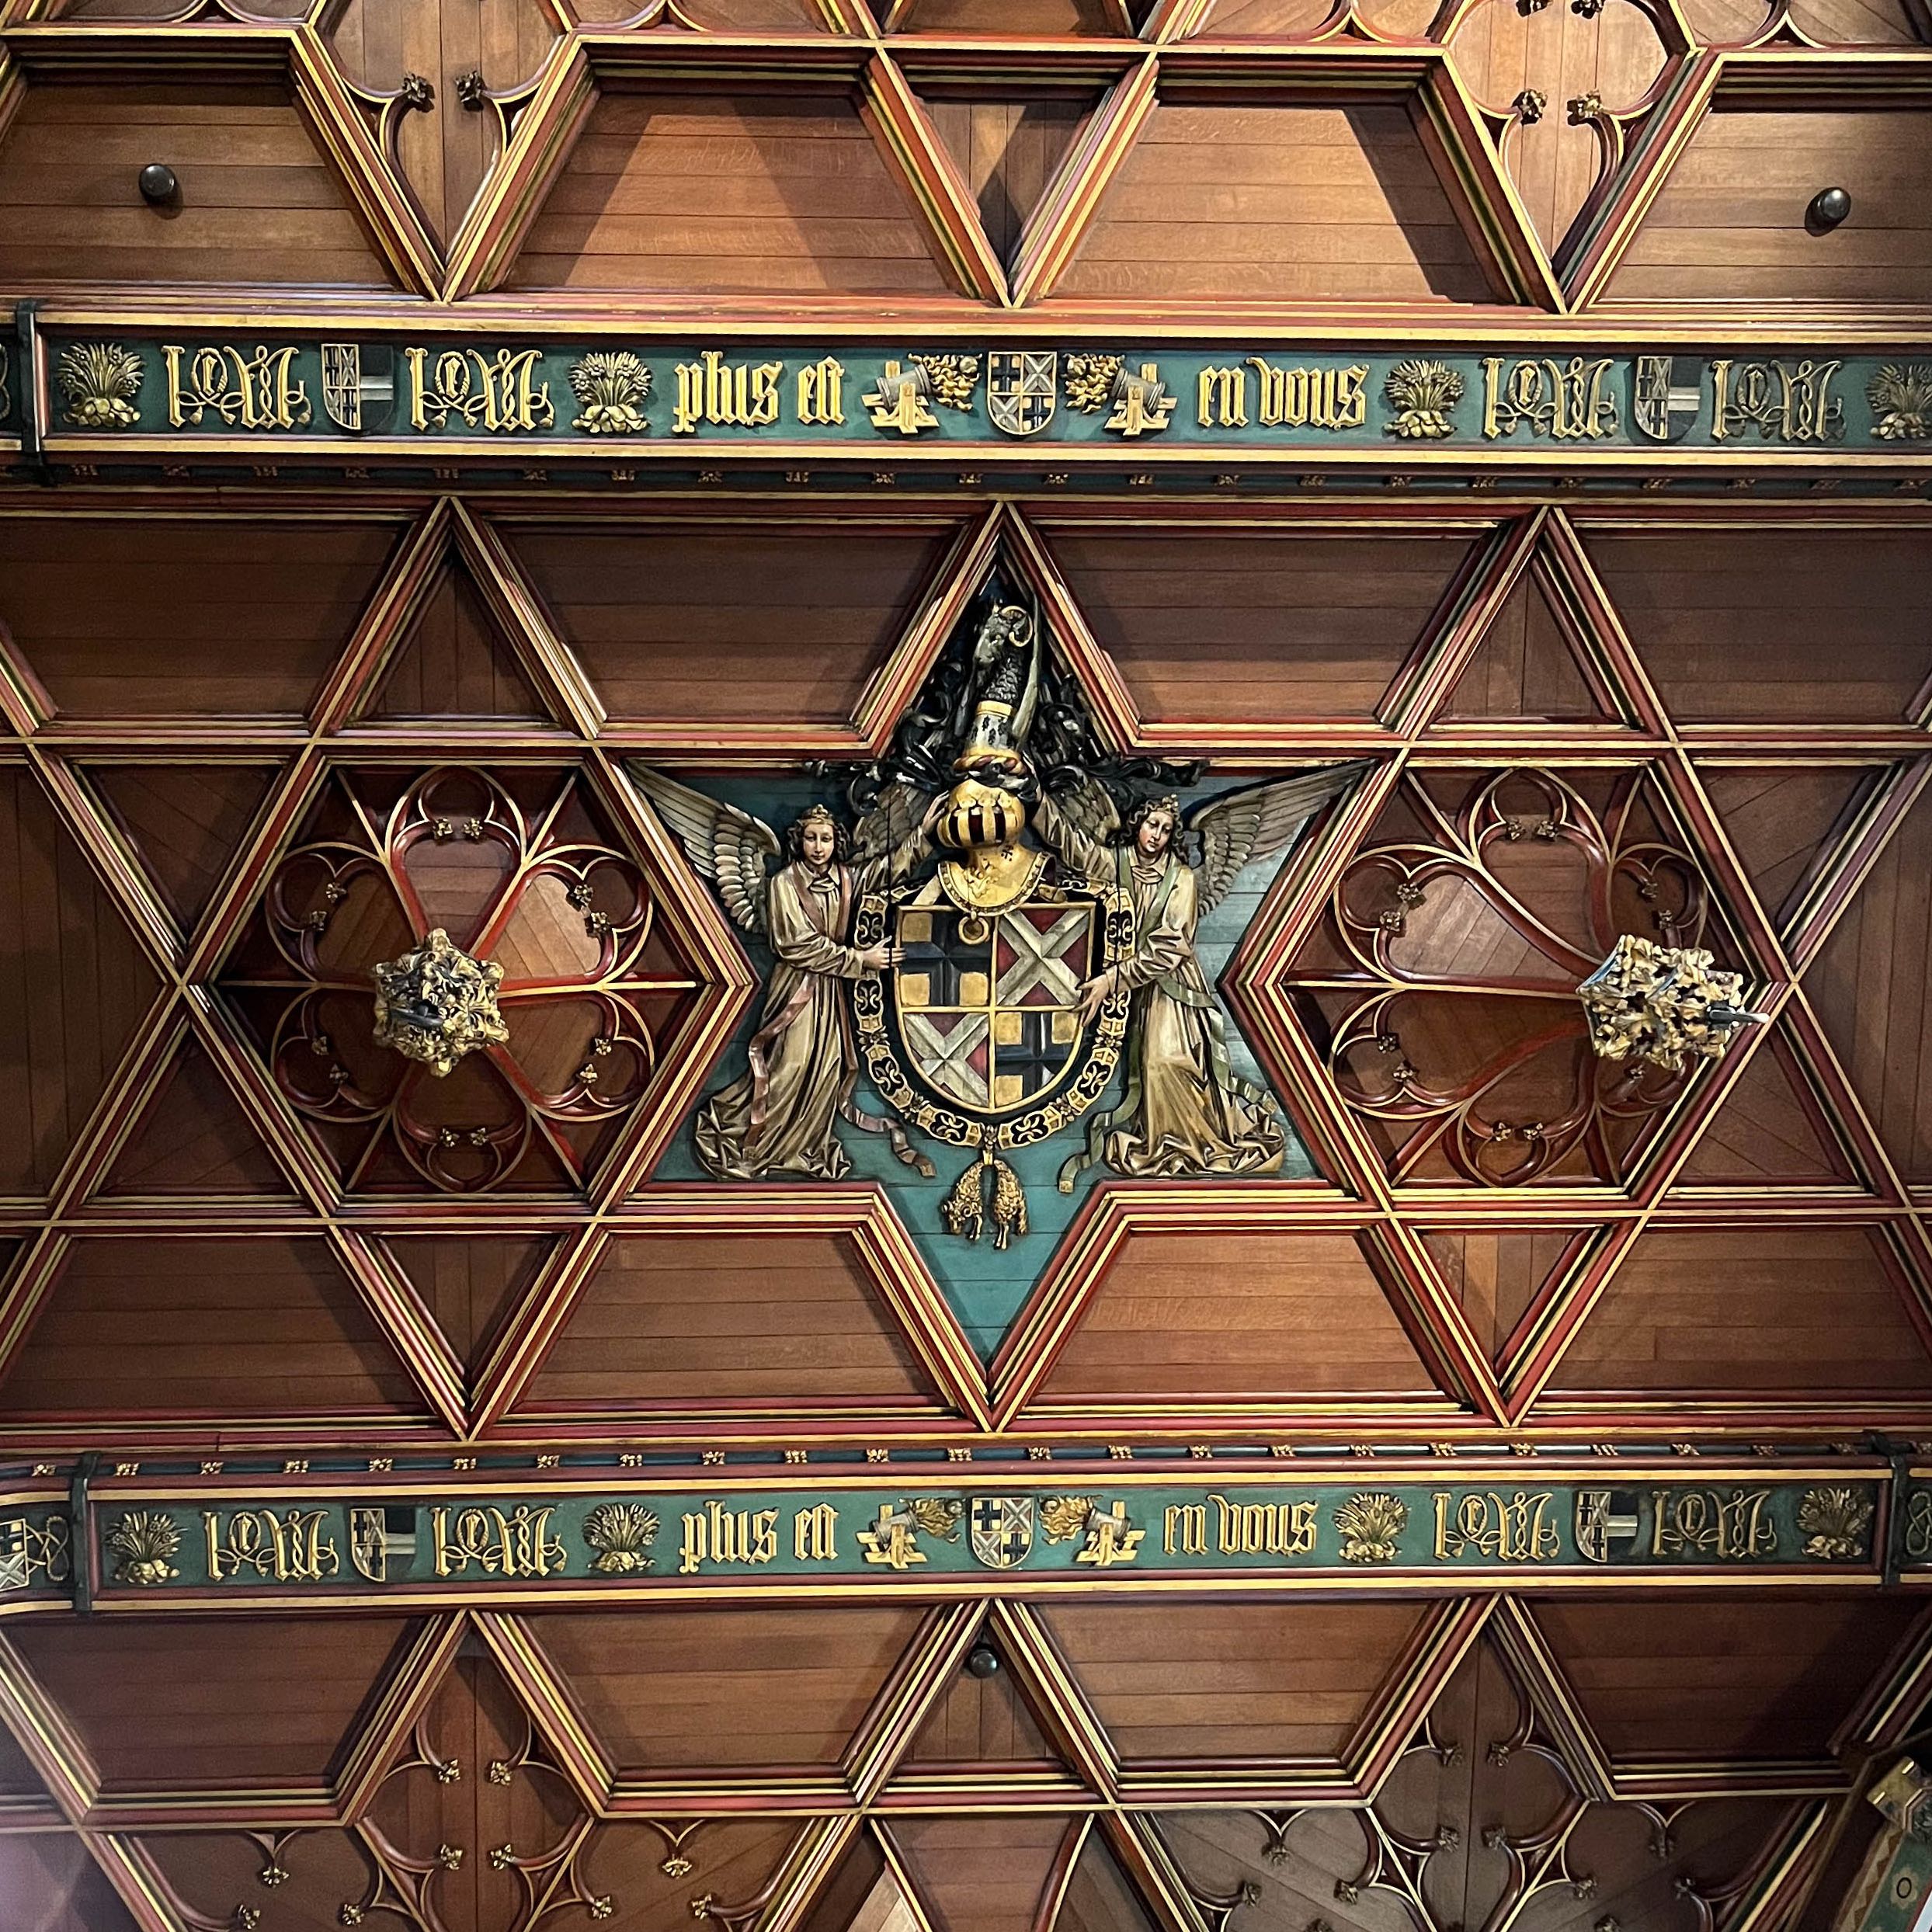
[(238, 1243), (1096, 159), (203, 1266)]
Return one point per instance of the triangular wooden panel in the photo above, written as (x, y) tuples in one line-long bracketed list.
[(1729, 225), (1809, 1311), (76, 984), (258, 202), (690, 193), (1030, 18), (1859, 23), (720, 626), (1209, 1680), (1277, 201), (980, 1721), (185, 821), (1770, 1131), (319, 1869), (167, 599), (725, 1689), (263, 1324), (1298, 19), (18, 1778), (1212, 626), (1526, 668), (1294, 1871), (759, 1321), (981, 1874), (1499, 1275), (202, 1702), (715, 16), (1009, 151), (729, 1861), (1099, 1897), (1726, 1677), (193, 1139), (66, 1891), (1785, 821), (860, 1895), (469, 1283), (1697, 604), (454, 662), (1254, 1316), (1873, 994)]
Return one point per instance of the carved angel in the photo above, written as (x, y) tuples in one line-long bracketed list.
[(1186, 1111), (779, 1118)]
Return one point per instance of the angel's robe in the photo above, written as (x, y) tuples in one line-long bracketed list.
[(1185, 1111), (779, 1119)]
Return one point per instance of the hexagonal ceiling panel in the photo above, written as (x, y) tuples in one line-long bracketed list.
[(599, 988)]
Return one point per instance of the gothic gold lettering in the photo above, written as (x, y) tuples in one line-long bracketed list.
[(1514, 1528), (1184, 1529), (260, 392), (291, 1549), (814, 1535), (1784, 402), (719, 394), (821, 393), (1733, 1528), (1565, 401), (1221, 398), (497, 392), (514, 1542), (716, 1534), (1316, 398), (1263, 1529)]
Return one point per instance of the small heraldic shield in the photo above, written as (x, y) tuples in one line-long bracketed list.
[(1022, 388), (1666, 393), (359, 386), (1002, 1530)]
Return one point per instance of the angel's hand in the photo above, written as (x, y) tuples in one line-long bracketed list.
[(935, 806), (877, 959), (1094, 995)]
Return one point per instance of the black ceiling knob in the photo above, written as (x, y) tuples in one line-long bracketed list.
[(158, 183), (1829, 207), (983, 1661)]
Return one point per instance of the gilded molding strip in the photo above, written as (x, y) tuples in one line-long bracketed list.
[(204, 385), (341, 1540)]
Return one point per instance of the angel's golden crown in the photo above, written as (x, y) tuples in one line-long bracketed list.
[(816, 815)]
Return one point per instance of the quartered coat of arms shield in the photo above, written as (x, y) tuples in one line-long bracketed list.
[(975, 1036), (986, 1008), (1022, 386), (1001, 1528)]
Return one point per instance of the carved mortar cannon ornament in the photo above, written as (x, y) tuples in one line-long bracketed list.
[(435, 1004), (1664, 1004)]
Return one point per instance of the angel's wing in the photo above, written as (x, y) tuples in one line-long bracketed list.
[(894, 818), (1242, 826), (730, 847), (1089, 807)]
